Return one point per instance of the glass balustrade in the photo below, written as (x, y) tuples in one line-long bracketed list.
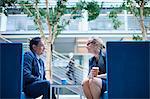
[(24, 23)]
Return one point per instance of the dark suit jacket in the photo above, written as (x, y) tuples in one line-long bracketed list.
[(31, 69)]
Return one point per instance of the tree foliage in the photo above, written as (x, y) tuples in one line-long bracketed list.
[(57, 11), (114, 18), (52, 16), (4, 3), (138, 8), (133, 7)]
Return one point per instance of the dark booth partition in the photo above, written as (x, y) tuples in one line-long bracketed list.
[(128, 68), (10, 70)]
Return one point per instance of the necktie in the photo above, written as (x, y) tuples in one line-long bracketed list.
[(41, 68)]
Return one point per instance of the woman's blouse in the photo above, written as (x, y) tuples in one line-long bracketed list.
[(101, 63)]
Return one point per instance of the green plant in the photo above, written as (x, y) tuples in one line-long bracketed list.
[(114, 18), (138, 8), (93, 10), (52, 16), (137, 38), (4, 3)]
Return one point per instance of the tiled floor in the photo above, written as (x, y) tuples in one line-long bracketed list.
[(66, 97), (70, 97)]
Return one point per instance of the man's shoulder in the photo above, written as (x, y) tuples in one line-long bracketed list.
[(29, 54)]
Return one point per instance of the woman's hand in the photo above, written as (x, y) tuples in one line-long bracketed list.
[(94, 72), (102, 76)]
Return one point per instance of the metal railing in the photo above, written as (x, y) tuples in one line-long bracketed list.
[(59, 72), (78, 69)]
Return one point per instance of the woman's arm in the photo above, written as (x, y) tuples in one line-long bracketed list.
[(102, 76)]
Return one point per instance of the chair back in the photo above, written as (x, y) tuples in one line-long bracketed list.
[(10, 70), (128, 69)]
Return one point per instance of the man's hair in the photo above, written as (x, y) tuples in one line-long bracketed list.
[(34, 41)]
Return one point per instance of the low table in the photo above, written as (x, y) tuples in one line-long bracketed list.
[(58, 86)]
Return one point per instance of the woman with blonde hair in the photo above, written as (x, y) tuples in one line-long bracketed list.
[(95, 85)]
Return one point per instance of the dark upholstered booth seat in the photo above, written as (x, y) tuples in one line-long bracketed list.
[(10, 70), (128, 70)]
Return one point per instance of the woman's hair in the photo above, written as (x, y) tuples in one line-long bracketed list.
[(97, 42), (34, 41)]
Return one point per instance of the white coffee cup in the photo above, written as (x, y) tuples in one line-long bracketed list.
[(96, 69)]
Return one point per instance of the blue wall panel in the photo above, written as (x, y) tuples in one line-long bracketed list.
[(10, 70), (128, 68)]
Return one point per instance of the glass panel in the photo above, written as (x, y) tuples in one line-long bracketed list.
[(104, 23), (73, 23), (133, 24), (0, 21), (17, 23)]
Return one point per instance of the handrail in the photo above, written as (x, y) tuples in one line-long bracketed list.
[(67, 88), (5, 39), (77, 74), (66, 59)]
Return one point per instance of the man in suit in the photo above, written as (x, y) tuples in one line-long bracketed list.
[(34, 81)]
